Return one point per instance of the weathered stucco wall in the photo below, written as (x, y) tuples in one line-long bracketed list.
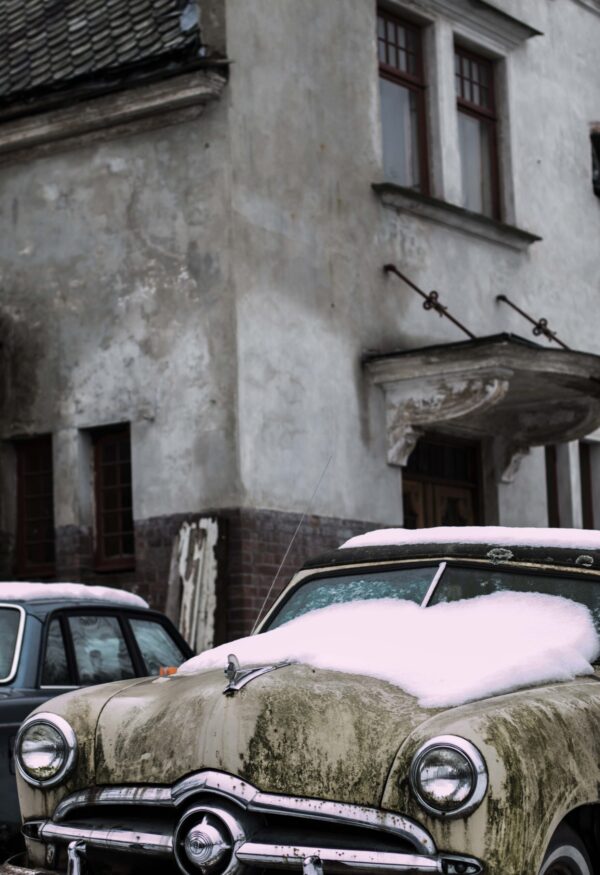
[(311, 238), (116, 298)]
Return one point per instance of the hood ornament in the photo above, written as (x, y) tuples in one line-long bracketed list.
[(238, 677)]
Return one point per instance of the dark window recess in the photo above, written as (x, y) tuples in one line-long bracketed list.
[(114, 506), (552, 486), (402, 94), (442, 484), (35, 508), (477, 123), (587, 493), (596, 162)]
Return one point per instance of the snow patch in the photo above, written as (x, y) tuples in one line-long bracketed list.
[(444, 655), (25, 592), (502, 536)]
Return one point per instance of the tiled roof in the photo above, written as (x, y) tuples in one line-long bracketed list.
[(51, 45)]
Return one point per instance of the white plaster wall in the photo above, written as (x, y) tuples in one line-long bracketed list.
[(310, 240), (116, 305)]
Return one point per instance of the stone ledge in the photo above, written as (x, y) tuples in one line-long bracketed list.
[(406, 200), (112, 111)]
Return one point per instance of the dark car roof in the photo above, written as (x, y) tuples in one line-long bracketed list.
[(49, 596), (552, 547)]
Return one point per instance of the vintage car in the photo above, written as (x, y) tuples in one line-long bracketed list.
[(58, 637), (302, 760)]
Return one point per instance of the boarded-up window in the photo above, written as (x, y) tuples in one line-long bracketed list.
[(35, 508), (114, 503)]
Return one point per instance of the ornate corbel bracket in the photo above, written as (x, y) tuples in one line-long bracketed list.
[(414, 405)]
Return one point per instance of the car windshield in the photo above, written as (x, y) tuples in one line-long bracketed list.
[(10, 621), (410, 584), (430, 585), (458, 582)]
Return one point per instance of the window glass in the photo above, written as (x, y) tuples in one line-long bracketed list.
[(10, 620), (475, 157), (402, 100), (157, 647), (114, 506), (400, 134), (406, 583), (55, 672), (100, 650), (459, 583), (35, 507)]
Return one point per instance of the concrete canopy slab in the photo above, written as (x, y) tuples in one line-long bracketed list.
[(502, 387)]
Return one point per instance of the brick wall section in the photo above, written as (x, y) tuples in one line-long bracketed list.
[(252, 543), (257, 542)]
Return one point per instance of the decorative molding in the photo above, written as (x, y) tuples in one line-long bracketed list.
[(406, 200), (485, 20), (510, 390), (110, 111), (590, 5), (414, 405)]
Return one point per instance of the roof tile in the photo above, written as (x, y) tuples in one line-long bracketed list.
[(47, 43)]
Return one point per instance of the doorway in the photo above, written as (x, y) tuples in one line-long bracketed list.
[(442, 484)]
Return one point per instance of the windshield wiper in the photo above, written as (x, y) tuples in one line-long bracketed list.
[(433, 585)]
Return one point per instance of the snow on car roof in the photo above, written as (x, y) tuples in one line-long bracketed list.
[(445, 655), (502, 536), (18, 591)]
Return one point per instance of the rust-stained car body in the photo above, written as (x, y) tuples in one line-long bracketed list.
[(297, 768)]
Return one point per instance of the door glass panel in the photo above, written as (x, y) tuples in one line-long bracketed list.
[(55, 672), (157, 647), (100, 650)]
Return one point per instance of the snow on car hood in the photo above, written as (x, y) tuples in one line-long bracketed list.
[(444, 655)]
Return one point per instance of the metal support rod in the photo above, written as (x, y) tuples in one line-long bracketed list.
[(431, 300), (540, 326)]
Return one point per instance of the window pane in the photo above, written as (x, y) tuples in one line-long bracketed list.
[(399, 118), (55, 672), (475, 155), (9, 628), (100, 650), (157, 647), (35, 519)]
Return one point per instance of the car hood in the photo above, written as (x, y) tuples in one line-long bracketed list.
[(296, 730)]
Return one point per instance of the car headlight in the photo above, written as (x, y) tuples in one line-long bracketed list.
[(45, 750), (448, 776)]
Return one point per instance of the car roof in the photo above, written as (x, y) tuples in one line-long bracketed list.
[(578, 548), (62, 594)]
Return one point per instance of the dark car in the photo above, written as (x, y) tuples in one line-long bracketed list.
[(58, 637)]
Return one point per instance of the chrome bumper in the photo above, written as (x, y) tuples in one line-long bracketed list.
[(308, 860), (239, 808)]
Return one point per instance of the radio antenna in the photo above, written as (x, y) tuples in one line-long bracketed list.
[(285, 555)]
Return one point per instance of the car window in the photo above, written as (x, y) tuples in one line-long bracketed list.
[(458, 583), (158, 649), (410, 584), (10, 620), (101, 653), (55, 671)]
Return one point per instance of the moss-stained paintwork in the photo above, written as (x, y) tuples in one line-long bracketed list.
[(328, 735), (542, 749)]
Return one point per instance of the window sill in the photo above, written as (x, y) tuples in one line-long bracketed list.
[(406, 200)]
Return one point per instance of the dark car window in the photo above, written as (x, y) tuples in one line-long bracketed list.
[(156, 645), (10, 620), (55, 671), (400, 583), (101, 653), (459, 583)]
